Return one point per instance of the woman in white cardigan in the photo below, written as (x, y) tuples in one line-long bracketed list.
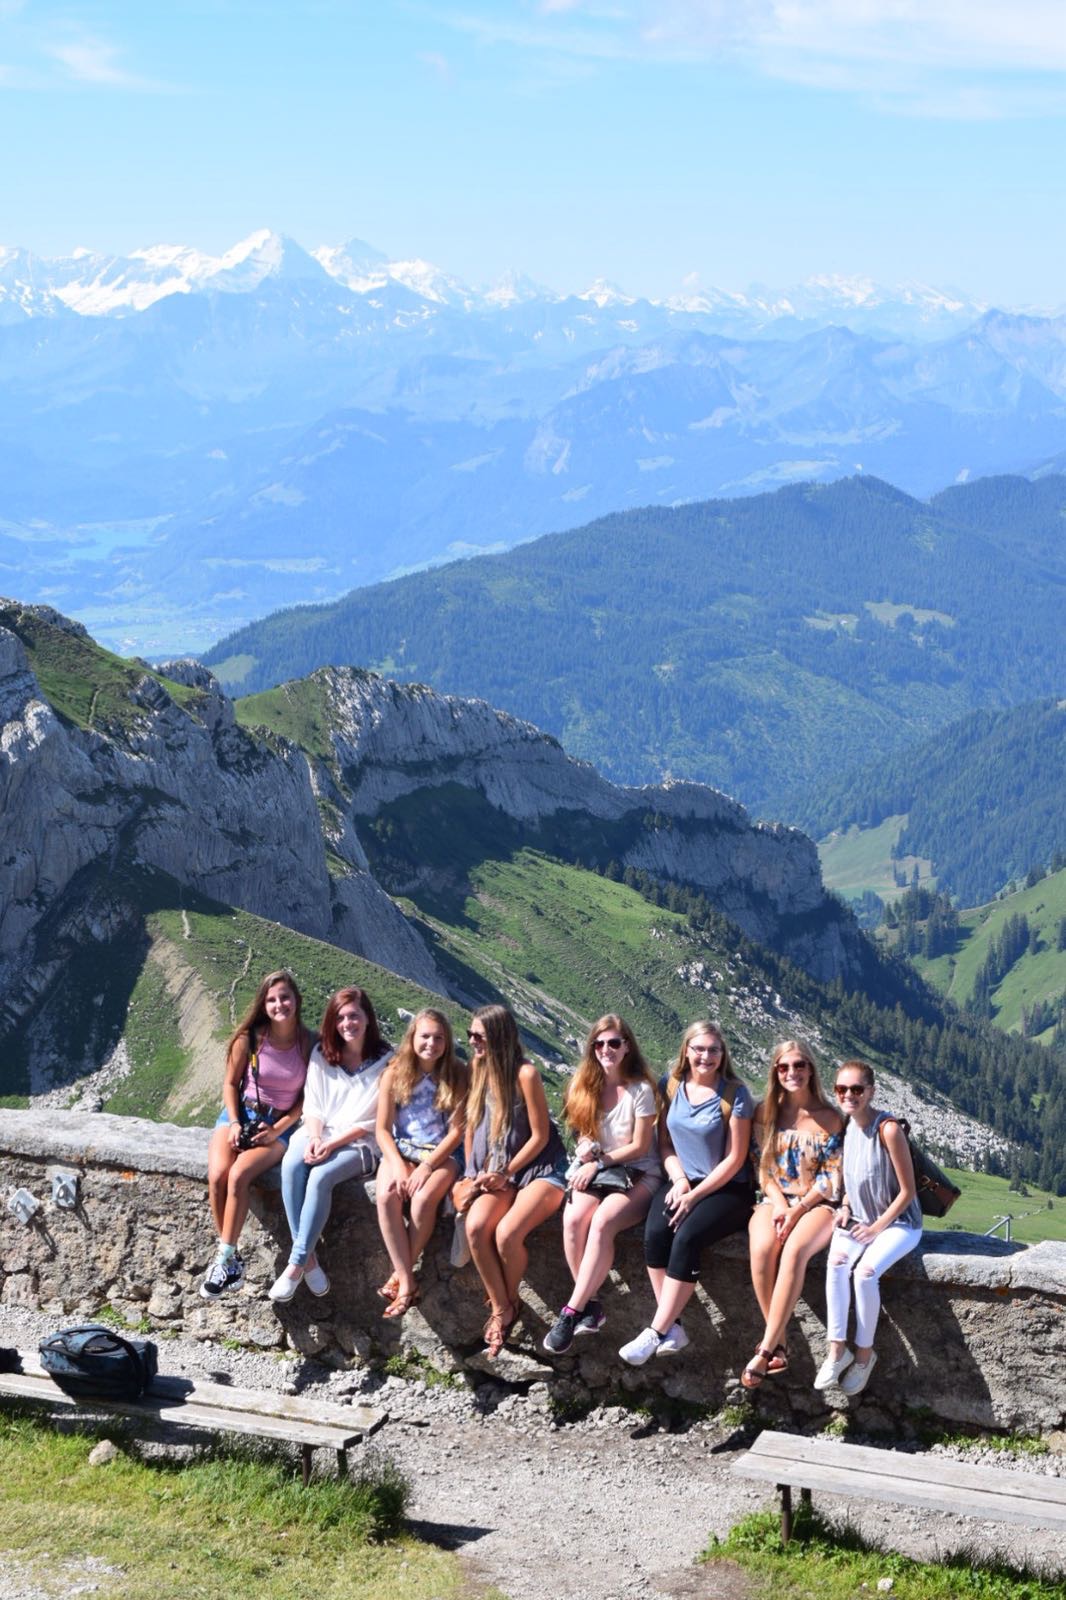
[(336, 1139)]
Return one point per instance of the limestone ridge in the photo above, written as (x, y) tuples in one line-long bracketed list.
[(170, 784), (390, 740)]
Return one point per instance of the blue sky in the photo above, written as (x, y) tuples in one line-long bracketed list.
[(734, 140)]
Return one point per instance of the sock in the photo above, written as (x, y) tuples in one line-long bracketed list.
[(573, 1311), (226, 1252)]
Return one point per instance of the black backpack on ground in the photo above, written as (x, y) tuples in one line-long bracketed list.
[(94, 1362)]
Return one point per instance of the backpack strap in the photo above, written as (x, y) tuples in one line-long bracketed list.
[(726, 1095)]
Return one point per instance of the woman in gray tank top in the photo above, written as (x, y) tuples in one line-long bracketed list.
[(880, 1222)]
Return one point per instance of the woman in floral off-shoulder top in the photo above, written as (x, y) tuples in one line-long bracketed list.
[(798, 1140)]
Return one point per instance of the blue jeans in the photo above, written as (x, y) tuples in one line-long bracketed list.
[(307, 1192)]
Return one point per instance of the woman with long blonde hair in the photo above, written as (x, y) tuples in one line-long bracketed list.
[(799, 1137), (610, 1106), (704, 1133), (421, 1118), (262, 1096), (515, 1163)]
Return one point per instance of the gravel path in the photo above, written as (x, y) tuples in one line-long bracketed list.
[(608, 1508)]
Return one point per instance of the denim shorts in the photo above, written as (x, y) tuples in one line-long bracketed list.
[(249, 1113)]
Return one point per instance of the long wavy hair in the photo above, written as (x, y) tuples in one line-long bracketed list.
[(582, 1104), (771, 1105), (330, 1042), (255, 1022), (449, 1072), (494, 1074), (680, 1067)]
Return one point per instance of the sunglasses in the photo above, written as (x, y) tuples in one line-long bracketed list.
[(843, 1090), (791, 1066), (608, 1044), (476, 1038)]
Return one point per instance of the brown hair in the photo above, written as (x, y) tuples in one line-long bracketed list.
[(255, 1022), (771, 1105), (858, 1066), (494, 1074), (330, 1042), (582, 1104), (448, 1070), (681, 1065)]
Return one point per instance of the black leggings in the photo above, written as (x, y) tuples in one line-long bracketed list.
[(716, 1216)]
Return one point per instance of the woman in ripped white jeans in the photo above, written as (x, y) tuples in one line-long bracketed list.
[(879, 1223)]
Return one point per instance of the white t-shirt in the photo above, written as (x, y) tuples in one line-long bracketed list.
[(343, 1100), (618, 1126)]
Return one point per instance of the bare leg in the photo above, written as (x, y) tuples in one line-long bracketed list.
[(249, 1165), (425, 1205), (578, 1213), (392, 1225), (810, 1234), (765, 1254), (614, 1213), (482, 1220), (673, 1298), (220, 1157), (533, 1205)]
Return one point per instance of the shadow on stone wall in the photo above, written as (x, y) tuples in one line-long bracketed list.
[(973, 1331)]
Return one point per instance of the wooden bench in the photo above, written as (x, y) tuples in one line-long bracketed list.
[(932, 1483), (215, 1408)]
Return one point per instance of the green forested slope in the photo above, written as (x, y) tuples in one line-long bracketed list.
[(984, 800), (756, 644)]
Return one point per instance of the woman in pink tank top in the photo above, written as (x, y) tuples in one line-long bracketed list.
[(262, 1095)]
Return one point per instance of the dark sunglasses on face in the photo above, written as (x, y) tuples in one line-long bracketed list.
[(792, 1066), (476, 1038), (608, 1044), (856, 1089)]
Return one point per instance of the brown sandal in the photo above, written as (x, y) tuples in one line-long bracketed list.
[(497, 1328), (778, 1361), (751, 1377), (403, 1303), (390, 1288)]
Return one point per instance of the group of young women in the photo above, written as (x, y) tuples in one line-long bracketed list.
[(692, 1157)]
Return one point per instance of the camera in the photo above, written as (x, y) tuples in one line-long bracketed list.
[(249, 1131)]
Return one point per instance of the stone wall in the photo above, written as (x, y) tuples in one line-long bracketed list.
[(973, 1330)]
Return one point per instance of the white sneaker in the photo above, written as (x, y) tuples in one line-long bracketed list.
[(673, 1340), (316, 1280), (857, 1377), (830, 1370), (285, 1287), (641, 1349)]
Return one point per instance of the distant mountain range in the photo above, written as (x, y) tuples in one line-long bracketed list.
[(191, 440), (762, 645)]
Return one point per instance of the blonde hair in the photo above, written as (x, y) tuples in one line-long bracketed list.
[(770, 1114), (448, 1070), (582, 1104), (681, 1065), (494, 1073)]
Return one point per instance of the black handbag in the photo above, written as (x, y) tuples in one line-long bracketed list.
[(936, 1192), (93, 1361)]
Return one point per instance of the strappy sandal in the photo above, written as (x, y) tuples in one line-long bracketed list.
[(497, 1328), (778, 1361), (390, 1288), (403, 1303), (751, 1377)]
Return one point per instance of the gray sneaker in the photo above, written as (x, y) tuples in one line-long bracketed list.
[(591, 1319), (560, 1335), (222, 1275)]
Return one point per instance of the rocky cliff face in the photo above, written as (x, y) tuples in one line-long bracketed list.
[(170, 787), (393, 739)]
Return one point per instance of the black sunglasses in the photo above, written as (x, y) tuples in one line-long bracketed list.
[(608, 1044), (476, 1038), (843, 1089)]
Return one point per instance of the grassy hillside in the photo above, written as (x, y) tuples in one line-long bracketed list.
[(1035, 1213), (1038, 975), (756, 644)]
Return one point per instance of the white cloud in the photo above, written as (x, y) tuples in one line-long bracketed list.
[(95, 62)]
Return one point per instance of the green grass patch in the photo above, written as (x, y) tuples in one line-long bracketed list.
[(837, 1564), (1036, 1214), (860, 859), (299, 711), (229, 1523)]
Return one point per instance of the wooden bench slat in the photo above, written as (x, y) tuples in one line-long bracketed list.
[(889, 1476), (796, 1454)]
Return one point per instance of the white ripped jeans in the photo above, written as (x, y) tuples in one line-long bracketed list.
[(845, 1256)]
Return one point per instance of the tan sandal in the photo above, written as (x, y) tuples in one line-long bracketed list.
[(497, 1328), (390, 1288), (403, 1303), (751, 1377)]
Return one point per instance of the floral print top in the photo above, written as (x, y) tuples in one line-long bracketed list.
[(804, 1161)]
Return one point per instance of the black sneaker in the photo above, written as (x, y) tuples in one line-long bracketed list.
[(591, 1319), (560, 1335), (222, 1275)]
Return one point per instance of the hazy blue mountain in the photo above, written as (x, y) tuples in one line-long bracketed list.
[(758, 644)]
